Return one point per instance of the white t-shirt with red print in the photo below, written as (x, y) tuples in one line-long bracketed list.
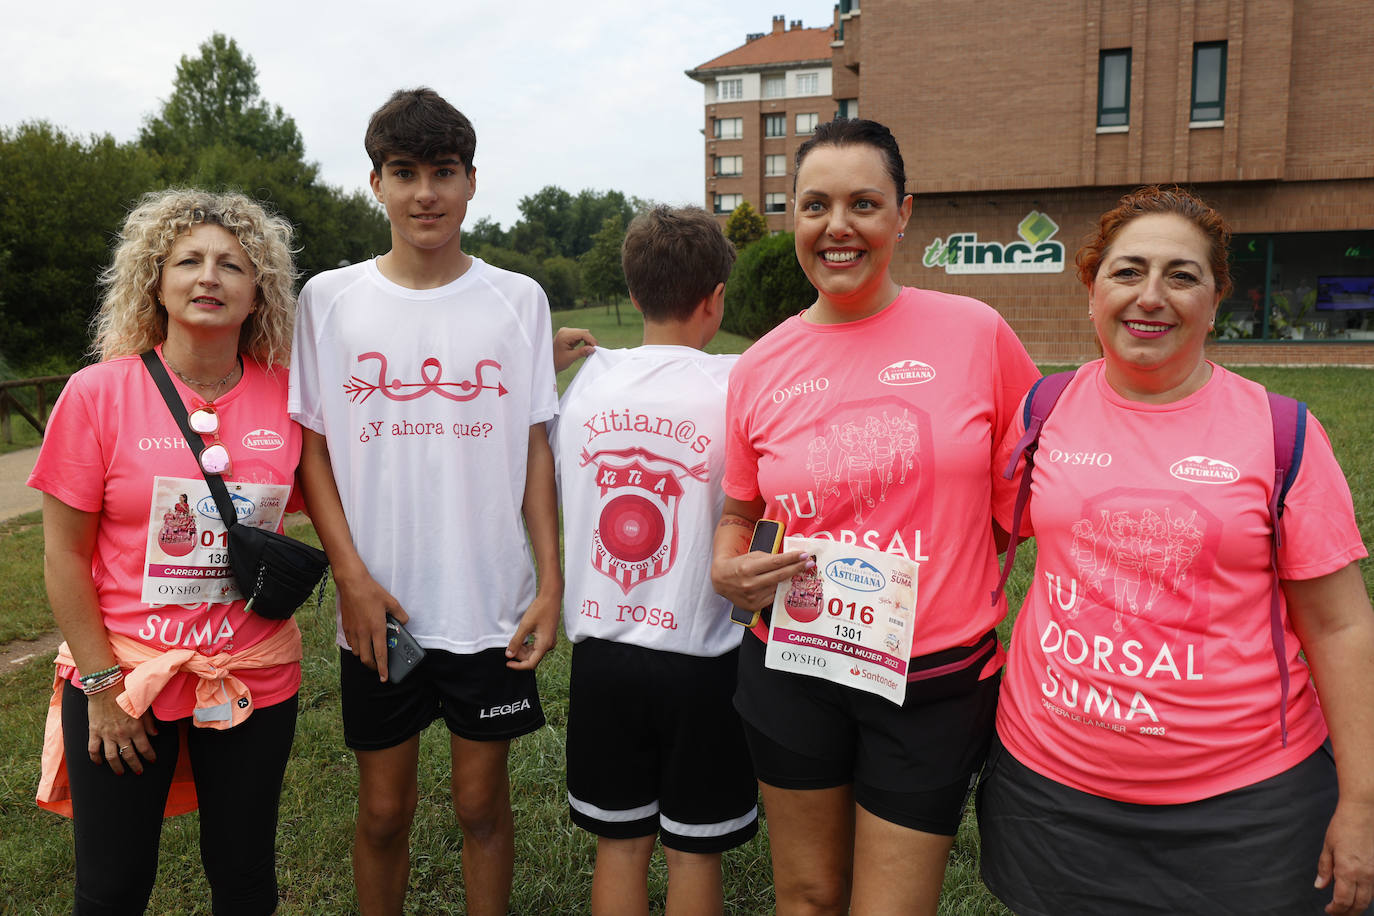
[(426, 399), (640, 448), (113, 447), (1142, 667), (880, 432)]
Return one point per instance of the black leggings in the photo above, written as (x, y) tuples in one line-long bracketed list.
[(117, 820)]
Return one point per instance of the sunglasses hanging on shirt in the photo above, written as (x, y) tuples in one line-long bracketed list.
[(214, 458)]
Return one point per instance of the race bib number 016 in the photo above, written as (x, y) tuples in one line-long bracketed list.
[(850, 621), (187, 557)]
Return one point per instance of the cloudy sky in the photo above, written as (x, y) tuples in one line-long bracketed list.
[(581, 95)]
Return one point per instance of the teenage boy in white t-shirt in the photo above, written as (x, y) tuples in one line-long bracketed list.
[(654, 746), (423, 382)]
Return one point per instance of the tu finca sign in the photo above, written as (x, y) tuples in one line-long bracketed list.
[(1035, 253)]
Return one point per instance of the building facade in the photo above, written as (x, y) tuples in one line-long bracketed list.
[(762, 100), (1019, 131)]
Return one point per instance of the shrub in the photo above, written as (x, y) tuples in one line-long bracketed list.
[(766, 287)]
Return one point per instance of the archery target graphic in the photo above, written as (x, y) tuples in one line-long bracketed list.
[(636, 531), (632, 528)]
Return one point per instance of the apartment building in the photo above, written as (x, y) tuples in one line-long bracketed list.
[(762, 100), (1020, 125)]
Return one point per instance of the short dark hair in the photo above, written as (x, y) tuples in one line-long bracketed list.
[(419, 123), (673, 259), (1155, 199), (857, 132)]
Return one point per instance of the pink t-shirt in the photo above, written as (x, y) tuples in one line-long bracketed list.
[(112, 447), (1141, 664), (880, 432)]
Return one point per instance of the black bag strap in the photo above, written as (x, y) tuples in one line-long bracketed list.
[(218, 490)]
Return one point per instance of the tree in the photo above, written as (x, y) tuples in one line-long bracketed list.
[(602, 275), (563, 283), (216, 132), (745, 226), (766, 286), (214, 102), (61, 202)]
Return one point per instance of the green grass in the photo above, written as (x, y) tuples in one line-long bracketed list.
[(553, 860)]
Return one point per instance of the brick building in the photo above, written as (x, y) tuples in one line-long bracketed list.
[(1019, 129)]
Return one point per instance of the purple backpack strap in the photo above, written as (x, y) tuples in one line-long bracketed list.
[(1290, 431), (1044, 394)]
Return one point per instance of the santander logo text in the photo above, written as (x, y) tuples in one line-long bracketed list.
[(1201, 469), (906, 372)]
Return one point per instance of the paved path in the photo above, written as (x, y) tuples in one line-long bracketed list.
[(15, 497)]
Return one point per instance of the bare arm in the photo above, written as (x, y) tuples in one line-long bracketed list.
[(68, 546), (570, 345), (749, 580), (1332, 617), (540, 508), (363, 603)]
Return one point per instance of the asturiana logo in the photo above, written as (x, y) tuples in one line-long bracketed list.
[(856, 574), (906, 372), (1201, 469), (264, 440), (243, 506)]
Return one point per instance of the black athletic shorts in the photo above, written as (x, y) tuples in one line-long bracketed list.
[(655, 746), (478, 697), (912, 765)]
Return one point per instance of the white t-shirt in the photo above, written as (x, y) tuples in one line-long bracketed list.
[(426, 398), (640, 449)]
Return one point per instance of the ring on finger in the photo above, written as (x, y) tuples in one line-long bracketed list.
[(124, 747)]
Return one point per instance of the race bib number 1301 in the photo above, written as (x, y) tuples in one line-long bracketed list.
[(850, 621)]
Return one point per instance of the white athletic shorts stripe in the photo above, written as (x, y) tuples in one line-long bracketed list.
[(616, 817)]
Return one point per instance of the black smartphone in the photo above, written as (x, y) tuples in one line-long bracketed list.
[(767, 538), (403, 653)]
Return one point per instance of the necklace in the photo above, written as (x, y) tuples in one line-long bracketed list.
[(238, 361)]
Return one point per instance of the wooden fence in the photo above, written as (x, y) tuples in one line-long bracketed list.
[(9, 403)]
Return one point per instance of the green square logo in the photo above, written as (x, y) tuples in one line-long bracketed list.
[(1037, 227)]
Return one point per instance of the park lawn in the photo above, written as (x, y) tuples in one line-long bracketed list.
[(553, 860)]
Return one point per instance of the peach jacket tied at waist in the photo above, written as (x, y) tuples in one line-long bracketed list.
[(222, 701)]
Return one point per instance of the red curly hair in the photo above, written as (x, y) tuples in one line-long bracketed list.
[(1157, 199)]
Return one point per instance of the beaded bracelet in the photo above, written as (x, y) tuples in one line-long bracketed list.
[(103, 684), (92, 678)]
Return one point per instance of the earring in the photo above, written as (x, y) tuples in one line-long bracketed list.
[(900, 236)]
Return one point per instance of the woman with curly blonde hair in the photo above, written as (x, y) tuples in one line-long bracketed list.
[(170, 692)]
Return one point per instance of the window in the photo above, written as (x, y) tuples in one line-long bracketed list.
[(806, 123), (1114, 88), (1300, 286), (729, 128), (849, 108), (1209, 81), (774, 165), (808, 83), (728, 202), (775, 125), (728, 166), (729, 90), (774, 87), (775, 202)]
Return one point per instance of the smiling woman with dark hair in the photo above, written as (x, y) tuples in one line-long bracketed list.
[(164, 663), (869, 419)]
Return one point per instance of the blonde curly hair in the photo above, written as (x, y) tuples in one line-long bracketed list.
[(130, 319)]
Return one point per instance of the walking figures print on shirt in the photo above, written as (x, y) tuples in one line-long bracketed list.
[(1134, 605), (636, 534), (429, 379), (864, 467)]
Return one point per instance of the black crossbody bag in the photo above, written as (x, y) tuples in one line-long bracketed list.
[(276, 573)]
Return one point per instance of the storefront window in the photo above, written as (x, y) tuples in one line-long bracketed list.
[(1300, 286)]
